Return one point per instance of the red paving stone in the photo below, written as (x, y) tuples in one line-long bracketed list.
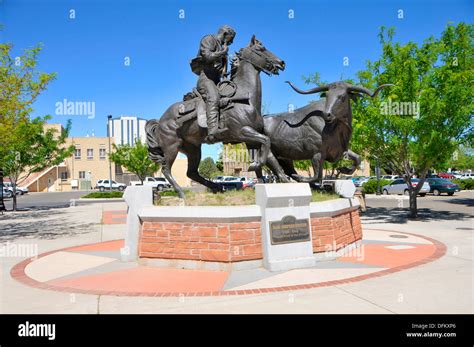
[(148, 280), (114, 217), (379, 255), (163, 282), (101, 246)]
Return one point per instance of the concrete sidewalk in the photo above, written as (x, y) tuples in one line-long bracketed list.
[(443, 286)]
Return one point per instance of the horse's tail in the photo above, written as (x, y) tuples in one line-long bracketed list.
[(155, 152)]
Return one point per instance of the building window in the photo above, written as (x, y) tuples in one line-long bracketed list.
[(90, 153), (64, 175), (102, 153), (82, 174), (77, 153)]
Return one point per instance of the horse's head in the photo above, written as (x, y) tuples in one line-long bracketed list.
[(261, 58)]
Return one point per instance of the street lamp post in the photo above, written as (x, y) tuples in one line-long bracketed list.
[(109, 118)]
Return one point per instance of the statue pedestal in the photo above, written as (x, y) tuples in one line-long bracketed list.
[(286, 225), (136, 197)]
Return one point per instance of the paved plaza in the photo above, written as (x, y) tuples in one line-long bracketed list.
[(401, 266)]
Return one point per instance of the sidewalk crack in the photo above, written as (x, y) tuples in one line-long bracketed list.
[(359, 297)]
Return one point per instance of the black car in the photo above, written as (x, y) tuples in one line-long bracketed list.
[(442, 185)]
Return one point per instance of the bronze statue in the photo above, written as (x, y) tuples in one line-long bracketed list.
[(319, 131), (211, 66), (180, 130)]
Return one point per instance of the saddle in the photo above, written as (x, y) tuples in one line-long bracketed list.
[(194, 105)]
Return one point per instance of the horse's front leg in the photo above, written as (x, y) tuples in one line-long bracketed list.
[(253, 138), (256, 140)]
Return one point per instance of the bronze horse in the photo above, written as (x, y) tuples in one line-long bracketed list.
[(167, 136)]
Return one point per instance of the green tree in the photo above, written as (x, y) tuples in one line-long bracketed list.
[(462, 159), (437, 75), (35, 149), (207, 168), (134, 159), (20, 85), (303, 165)]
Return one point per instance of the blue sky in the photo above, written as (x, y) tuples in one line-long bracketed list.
[(88, 52)]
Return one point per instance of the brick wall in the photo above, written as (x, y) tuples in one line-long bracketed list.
[(232, 242), (333, 233), (222, 242)]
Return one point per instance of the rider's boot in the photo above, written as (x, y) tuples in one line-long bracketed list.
[(213, 131)]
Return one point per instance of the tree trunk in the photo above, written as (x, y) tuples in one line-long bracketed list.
[(14, 196), (413, 205)]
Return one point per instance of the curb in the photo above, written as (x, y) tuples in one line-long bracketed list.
[(77, 202)]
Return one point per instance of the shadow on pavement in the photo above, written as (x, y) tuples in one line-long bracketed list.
[(461, 201), (375, 215), (48, 223)]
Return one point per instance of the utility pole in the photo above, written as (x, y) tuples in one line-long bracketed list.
[(109, 131)]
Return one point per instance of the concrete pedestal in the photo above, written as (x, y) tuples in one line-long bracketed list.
[(136, 197), (285, 225)]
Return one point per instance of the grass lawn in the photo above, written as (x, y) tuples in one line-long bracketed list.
[(103, 195), (228, 198)]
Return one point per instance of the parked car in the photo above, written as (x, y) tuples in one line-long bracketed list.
[(364, 180), (390, 177), (467, 176), (105, 184), (217, 179), (441, 185), (446, 175), (230, 179), (220, 179), (400, 187), (7, 193), (247, 182), (160, 183), (19, 190), (456, 174)]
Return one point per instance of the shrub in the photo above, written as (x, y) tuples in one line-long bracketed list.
[(465, 184), (370, 187), (103, 195)]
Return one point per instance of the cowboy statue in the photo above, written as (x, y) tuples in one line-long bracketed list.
[(211, 66)]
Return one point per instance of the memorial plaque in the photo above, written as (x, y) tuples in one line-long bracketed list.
[(289, 230)]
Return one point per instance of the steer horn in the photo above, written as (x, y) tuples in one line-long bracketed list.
[(310, 91), (368, 91)]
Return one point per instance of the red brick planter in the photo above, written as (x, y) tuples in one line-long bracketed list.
[(238, 239)]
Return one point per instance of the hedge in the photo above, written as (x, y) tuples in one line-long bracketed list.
[(370, 187), (103, 195), (465, 184)]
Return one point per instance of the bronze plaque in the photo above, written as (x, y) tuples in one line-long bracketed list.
[(289, 230)]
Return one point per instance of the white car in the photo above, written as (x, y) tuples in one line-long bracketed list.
[(162, 183), (400, 187), (7, 193), (467, 176), (390, 177), (105, 184), (19, 190)]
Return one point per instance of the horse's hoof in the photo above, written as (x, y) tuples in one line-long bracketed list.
[(254, 166), (297, 178)]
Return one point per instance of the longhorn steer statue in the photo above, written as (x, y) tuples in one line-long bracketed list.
[(299, 135)]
